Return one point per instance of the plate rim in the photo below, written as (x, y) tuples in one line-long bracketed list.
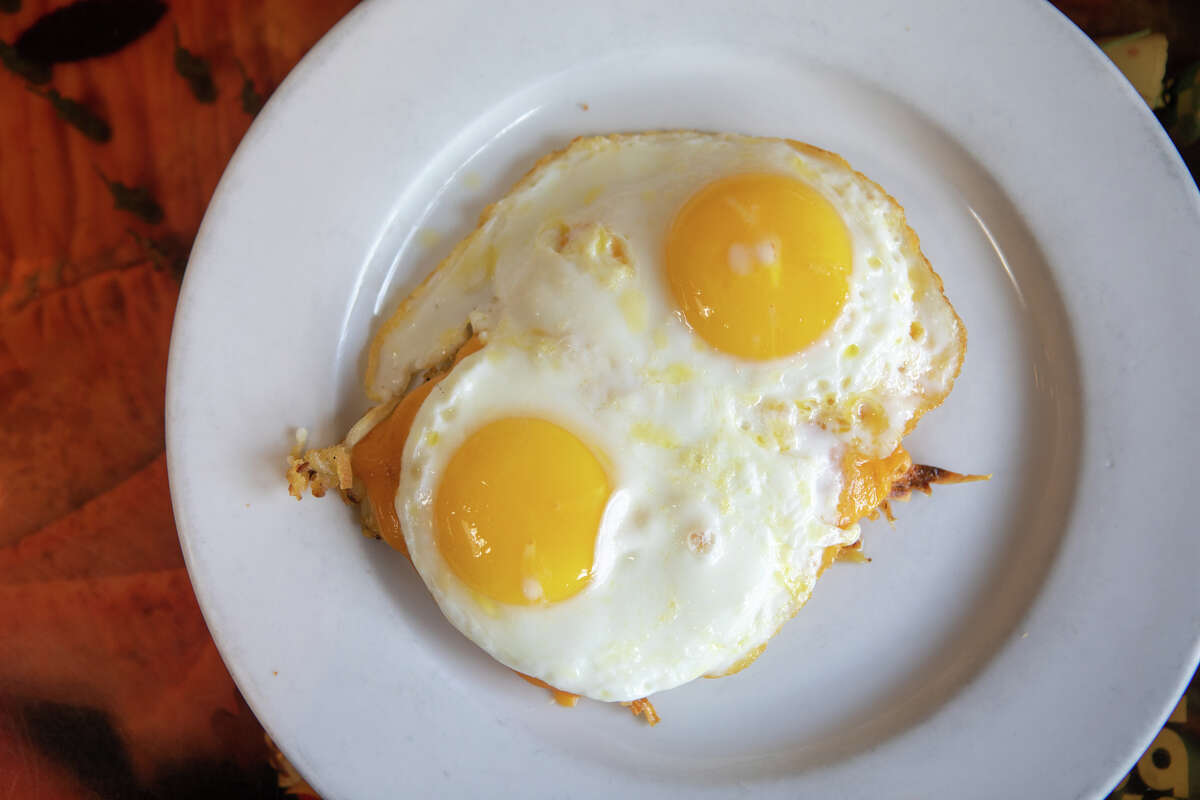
[(288, 93)]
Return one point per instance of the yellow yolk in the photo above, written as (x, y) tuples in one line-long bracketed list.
[(759, 264), (517, 511)]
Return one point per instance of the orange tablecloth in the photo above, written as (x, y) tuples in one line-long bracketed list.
[(109, 683)]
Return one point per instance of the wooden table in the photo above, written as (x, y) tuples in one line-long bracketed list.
[(109, 683)]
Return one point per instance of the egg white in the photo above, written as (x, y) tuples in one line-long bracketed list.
[(564, 280)]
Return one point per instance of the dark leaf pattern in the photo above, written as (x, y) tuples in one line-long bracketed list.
[(87, 29)]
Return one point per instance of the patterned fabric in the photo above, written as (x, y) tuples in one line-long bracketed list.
[(1170, 767), (118, 119)]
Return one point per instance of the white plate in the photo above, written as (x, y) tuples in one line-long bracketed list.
[(1023, 637)]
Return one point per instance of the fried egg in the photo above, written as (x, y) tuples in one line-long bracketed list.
[(683, 365)]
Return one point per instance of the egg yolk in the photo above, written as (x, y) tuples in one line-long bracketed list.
[(517, 511), (759, 264)]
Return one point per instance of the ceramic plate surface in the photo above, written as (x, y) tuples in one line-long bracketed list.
[(1023, 637)]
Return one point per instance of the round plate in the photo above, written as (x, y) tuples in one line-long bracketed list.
[(1021, 637)]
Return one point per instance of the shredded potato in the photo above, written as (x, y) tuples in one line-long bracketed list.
[(318, 470), (645, 709), (921, 478)]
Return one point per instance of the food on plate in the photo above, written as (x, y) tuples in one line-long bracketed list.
[(626, 424)]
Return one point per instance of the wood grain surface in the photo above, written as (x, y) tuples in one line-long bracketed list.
[(110, 685)]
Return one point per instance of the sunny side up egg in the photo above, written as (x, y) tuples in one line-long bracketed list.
[(673, 371)]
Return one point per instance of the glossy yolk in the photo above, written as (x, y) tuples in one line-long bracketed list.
[(376, 458), (517, 511), (759, 264), (867, 482)]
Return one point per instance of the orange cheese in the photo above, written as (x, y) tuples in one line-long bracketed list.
[(562, 698), (868, 482), (376, 459)]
